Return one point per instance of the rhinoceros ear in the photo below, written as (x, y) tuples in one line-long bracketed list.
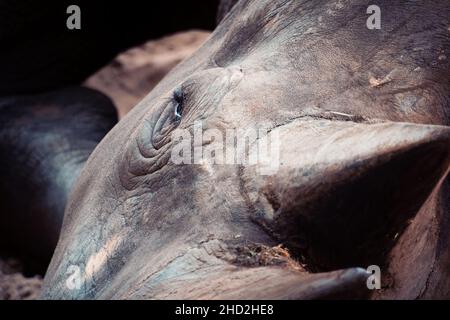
[(344, 191)]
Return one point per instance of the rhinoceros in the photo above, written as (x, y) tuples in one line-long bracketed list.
[(361, 120)]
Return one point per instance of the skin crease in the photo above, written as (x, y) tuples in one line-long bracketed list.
[(360, 112)]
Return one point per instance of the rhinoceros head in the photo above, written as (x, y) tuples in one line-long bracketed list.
[(347, 126)]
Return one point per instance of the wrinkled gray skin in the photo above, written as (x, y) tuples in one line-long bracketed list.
[(362, 117)]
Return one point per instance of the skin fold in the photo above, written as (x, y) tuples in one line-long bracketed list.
[(363, 118)]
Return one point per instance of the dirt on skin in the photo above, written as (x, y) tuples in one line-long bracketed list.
[(126, 80)]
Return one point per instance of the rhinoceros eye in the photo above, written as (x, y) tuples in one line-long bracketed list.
[(178, 99)]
